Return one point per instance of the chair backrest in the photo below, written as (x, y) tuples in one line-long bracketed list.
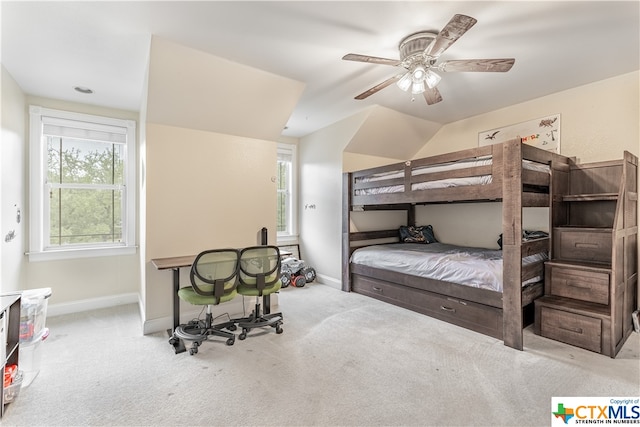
[(214, 272), (259, 266)]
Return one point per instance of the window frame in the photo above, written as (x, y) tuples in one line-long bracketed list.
[(292, 234), (38, 218)]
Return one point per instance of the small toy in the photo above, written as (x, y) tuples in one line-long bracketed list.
[(294, 272)]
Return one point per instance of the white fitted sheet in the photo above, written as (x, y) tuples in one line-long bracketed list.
[(441, 183), (476, 267)]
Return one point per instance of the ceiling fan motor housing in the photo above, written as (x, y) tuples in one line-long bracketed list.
[(413, 46)]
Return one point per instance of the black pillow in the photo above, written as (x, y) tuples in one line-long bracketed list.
[(527, 235), (422, 234)]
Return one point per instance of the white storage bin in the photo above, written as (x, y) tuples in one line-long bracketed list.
[(12, 392), (31, 357), (33, 313)]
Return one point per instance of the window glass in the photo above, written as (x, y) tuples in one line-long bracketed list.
[(285, 184), (87, 162), (85, 191), (83, 195)]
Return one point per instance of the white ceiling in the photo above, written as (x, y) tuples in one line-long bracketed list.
[(50, 47)]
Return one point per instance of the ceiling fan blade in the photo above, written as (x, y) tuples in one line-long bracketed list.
[(378, 87), (432, 95), (371, 59), (498, 65), (457, 26)]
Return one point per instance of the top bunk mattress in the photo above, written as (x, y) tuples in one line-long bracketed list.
[(476, 267), (441, 183)]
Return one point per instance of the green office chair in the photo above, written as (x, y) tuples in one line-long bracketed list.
[(214, 279), (259, 274)]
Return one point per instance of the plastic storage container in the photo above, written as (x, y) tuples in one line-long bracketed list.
[(31, 357), (33, 314), (13, 390)]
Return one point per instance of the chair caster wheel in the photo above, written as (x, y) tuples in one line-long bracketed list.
[(193, 350), (231, 341), (243, 335), (278, 329), (232, 328), (173, 341)]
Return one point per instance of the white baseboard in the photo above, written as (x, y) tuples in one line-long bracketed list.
[(234, 308), (329, 281), (91, 304)]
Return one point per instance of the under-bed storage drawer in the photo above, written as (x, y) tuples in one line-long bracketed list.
[(581, 331), (592, 286), (474, 316), (582, 244)]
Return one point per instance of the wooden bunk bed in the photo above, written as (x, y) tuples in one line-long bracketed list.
[(505, 178)]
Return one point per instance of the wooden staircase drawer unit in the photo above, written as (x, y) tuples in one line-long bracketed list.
[(581, 285), (582, 244), (571, 328)]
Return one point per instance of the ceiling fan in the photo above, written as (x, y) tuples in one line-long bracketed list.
[(419, 53)]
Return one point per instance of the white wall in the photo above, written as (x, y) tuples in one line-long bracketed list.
[(13, 185), (321, 185), (475, 224)]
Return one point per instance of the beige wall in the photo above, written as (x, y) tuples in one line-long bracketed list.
[(598, 122), (71, 280), (203, 190), (13, 184), (76, 282)]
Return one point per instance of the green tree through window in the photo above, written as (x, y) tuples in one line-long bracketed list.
[(85, 191), (82, 185)]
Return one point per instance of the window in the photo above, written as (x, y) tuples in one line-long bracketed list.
[(286, 214), (82, 182)]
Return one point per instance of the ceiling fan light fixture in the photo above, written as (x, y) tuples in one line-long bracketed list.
[(432, 79), (418, 73), (417, 87), (405, 81)]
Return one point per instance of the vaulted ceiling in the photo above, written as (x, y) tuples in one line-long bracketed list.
[(49, 47)]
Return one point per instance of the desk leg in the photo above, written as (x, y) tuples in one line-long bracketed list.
[(176, 299), (177, 343)]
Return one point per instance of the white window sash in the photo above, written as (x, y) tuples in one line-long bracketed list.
[(94, 128), (287, 153)]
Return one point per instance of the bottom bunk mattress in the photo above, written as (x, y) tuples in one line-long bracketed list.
[(475, 267)]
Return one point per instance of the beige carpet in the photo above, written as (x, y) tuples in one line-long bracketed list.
[(343, 359)]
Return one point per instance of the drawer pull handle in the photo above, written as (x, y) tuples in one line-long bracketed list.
[(376, 289), (574, 330), (587, 245), (449, 309), (576, 285)]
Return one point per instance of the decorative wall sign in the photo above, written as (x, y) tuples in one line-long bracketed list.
[(542, 133)]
